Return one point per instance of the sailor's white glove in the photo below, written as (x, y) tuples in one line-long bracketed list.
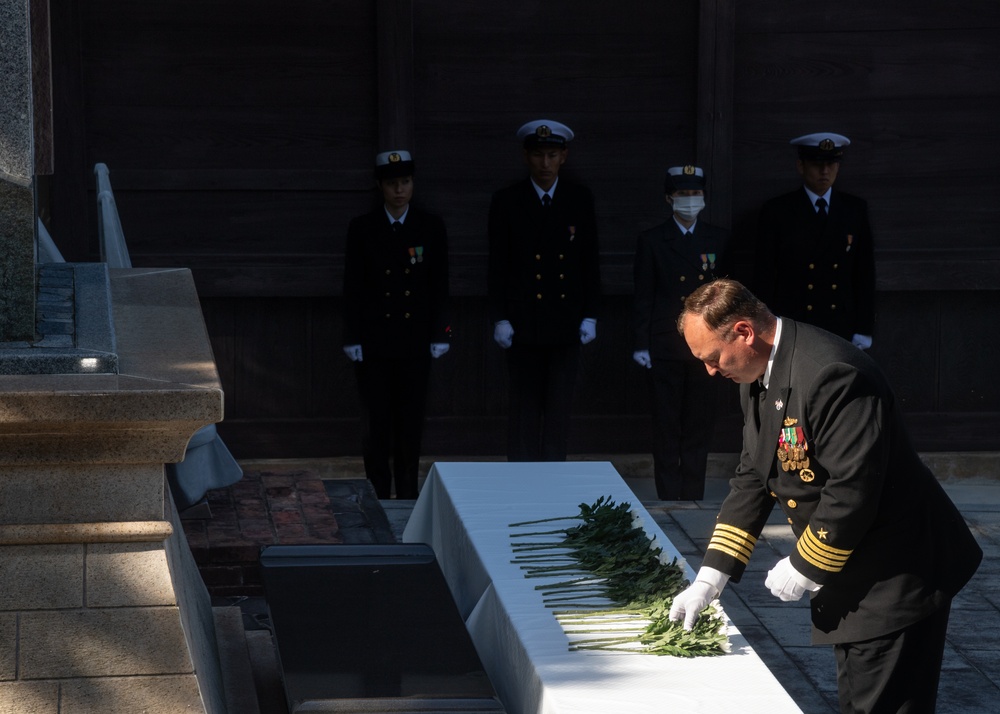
[(642, 357), (788, 584), (588, 330), (439, 348), (862, 341), (689, 603), (353, 352), (503, 334)]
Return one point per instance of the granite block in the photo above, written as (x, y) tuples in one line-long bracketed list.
[(29, 698), (37, 577), (128, 575), (84, 493), (8, 648), (102, 643), (129, 695)]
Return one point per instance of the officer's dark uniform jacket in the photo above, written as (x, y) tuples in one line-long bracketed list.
[(873, 525), (817, 270), (669, 266), (395, 284), (544, 276)]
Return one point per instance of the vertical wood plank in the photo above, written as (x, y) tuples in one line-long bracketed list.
[(716, 49), (394, 36)]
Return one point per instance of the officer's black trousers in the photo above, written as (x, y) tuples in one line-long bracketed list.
[(684, 400), (895, 674), (540, 395), (393, 400)]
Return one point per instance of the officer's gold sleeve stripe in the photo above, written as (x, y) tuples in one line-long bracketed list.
[(820, 554), (733, 542)]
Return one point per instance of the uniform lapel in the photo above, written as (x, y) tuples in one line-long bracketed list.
[(772, 410)]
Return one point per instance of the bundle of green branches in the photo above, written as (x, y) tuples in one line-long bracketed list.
[(613, 586)]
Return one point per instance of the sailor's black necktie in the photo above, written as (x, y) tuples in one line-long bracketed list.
[(546, 200), (397, 225), (821, 207)]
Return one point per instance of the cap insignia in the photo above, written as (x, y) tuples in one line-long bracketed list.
[(543, 131), (826, 145), (689, 170), (394, 157)]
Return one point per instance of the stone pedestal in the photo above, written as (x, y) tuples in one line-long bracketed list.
[(101, 606)]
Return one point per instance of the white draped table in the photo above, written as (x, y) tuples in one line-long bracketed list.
[(464, 512)]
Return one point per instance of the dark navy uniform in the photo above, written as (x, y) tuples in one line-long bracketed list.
[(544, 280), (669, 265), (826, 443), (815, 269), (395, 295)]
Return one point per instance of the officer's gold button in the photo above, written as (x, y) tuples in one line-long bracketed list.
[(562, 276), (833, 307), (538, 257), (836, 265), (809, 286), (407, 293), (539, 296), (387, 294), (809, 307), (792, 503), (407, 271), (812, 266), (701, 276), (683, 278), (834, 286), (538, 277), (563, 296), (387, 316), (407, 316), (561, 256), (388, 272)]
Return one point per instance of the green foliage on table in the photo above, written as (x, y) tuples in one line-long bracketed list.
[(613, 586)]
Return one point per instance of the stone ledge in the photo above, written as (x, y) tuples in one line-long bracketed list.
[(62, 533)]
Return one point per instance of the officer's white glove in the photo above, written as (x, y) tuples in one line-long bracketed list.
[(861, 341), (353, 352), (788, 584), (642, 357), (503, 334), (439, 348), (588, 330), (689, 603)]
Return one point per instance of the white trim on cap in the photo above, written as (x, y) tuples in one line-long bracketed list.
[(814, 140), (557, 129), (392, 157)]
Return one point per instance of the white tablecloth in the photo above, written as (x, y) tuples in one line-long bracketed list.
[(464, 512)]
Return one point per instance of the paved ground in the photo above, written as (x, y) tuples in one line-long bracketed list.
[(779, 632)]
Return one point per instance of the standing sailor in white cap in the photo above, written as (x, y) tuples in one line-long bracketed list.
[(815, 258), (544, 289), (395, 321), (671, 261)]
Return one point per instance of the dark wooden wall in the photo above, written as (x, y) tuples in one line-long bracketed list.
[(240, 137)]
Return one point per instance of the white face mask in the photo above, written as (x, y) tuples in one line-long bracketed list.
[(688, 207)]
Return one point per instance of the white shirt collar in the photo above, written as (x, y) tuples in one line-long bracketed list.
[(541, 192), (770, 360), (401, 219), (683, 228), (813, 197)]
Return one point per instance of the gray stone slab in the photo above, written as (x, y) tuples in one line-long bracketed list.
[(102, 643)]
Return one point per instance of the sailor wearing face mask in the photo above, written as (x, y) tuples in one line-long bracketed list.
[(671, 261)]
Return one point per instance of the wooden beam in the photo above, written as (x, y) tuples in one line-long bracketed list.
[(716, 49), (394, 37)]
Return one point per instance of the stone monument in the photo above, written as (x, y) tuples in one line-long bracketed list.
[(102, 608)]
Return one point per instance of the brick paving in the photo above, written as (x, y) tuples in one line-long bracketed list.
[(264, 508)]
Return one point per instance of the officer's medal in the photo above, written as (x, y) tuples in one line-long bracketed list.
[(792, 447)]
